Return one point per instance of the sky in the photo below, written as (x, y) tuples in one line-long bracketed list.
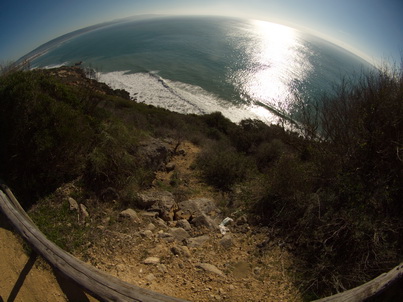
[(373, 29)]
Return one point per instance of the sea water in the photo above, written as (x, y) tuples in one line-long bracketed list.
[(242, 68)]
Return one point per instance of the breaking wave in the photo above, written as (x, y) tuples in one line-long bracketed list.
[(151, 89)]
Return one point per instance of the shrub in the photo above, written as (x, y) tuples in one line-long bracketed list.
[(217, 121), (44, 139), (113, 162), (339, 200), (288, 183), (269, 152), (222, 167)]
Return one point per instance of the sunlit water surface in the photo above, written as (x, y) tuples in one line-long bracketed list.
[(242, 68)]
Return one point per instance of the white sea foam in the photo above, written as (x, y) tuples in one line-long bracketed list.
[(55, 65), (180, 97)]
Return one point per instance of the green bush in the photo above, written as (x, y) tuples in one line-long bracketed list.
[(218, 121), (222, 167), (113, 163), (44, 139), (337, 196), (269, 152), (288, 184)]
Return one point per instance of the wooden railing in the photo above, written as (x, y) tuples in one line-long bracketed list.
[(99, 284), (385, 287)]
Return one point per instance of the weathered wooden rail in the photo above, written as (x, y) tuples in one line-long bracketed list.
[(99, 284), (108, 288), (385, 287)]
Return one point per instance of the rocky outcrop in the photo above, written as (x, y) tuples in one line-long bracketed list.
[(199, 212), (162, 202), (130, 214), (78, 76), (155, 153), (196, 207)]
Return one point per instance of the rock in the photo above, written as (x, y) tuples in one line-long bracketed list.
[(148, 198), (204, 220), (210, 268), (162, 202), (184, 224), (150, 277), (150, 227), (167, 237), (130, 214), (185, 251), (120, 267), (241, 220), (197, 241), (180, 251), (166, 210), (227, 242), (149, 214), (197, 206), (179, 234), (162, 268), (83, 211), (154, 153), (164, 235), (171, 224), (161, 223), (170, 167), (182, 215), (152, 260), (73, 204), (199, 211), (147, 234)]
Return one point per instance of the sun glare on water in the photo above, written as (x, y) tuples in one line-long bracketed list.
[(275, 60)]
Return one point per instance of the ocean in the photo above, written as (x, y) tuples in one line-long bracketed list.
[(242, 68)]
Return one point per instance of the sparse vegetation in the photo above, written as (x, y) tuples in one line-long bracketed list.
[(59, 224), (331, 196)]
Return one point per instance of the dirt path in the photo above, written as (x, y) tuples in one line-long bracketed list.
[(247, 273)]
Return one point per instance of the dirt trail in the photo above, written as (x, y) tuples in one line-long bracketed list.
[(30, 278), (248, 273)]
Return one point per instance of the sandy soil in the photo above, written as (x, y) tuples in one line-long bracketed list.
[(30, 278)]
